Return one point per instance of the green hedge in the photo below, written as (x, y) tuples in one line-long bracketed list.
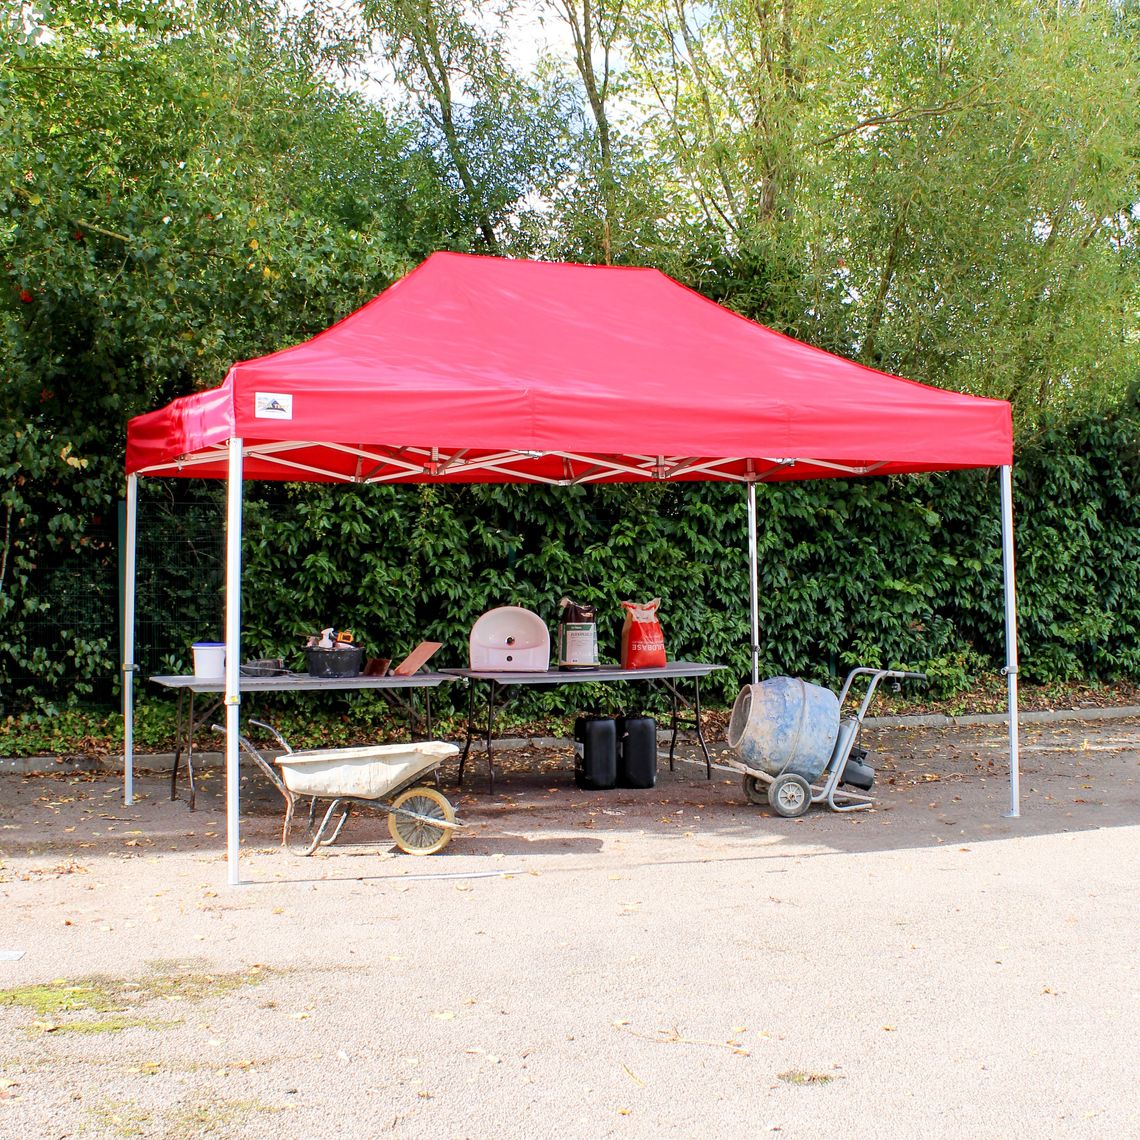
[(899, 571)]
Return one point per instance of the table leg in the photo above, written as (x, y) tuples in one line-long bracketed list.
[(190, 753), (700, 730), (490, 725), (470, 721), (177, 745), (194, 725), (675, 725)]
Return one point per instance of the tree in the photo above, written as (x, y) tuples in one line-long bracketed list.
[(488, 128), (941, 192), (181, 186)]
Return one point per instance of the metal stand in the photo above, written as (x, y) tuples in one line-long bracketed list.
[(695, 722), (470, 733), (668, 676), (192, 725)]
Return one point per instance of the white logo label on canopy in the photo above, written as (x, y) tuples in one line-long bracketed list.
[(273, 406)]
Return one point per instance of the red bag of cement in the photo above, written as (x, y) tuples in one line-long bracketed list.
[(642, 642)]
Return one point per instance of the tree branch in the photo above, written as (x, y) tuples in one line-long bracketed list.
[(100, 230), (905, 116)]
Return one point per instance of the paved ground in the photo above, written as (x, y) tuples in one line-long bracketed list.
[(630, 964)]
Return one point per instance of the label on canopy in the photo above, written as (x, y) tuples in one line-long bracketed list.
[(273, 406)]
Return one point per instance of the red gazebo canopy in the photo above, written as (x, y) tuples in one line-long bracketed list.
[(479, 369)]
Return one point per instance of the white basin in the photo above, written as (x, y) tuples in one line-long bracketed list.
[(510, 639)]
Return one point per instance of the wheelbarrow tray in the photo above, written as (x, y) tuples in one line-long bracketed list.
[(371, 772)]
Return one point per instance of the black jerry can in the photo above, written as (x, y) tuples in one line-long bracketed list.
[(637, 752), (595, 752)]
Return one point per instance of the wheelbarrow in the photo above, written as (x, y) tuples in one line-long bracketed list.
[(796, 747), (421, 819)]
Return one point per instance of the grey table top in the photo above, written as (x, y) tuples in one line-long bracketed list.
[(302, 682), (581, 676)]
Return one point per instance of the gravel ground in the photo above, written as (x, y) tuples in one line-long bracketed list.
[(672, 962)]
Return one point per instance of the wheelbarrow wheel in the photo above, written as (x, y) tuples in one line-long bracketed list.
[(416, 834), (789, 795), (755, 790)]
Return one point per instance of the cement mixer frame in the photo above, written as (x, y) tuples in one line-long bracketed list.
[(788, 793)]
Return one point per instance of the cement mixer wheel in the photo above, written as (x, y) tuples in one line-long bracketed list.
[(755, 790), (789, 795)]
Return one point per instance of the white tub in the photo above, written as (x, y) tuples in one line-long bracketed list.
[(368, 773)]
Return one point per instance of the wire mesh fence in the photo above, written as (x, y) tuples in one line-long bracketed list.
[(180, 580), (66, 639)]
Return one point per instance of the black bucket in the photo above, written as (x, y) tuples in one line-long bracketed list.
[(334, 662)]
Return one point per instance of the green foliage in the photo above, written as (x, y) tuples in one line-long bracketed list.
[(47, 515), (180, 186), (946, 193), (891, 572), (943, 193)]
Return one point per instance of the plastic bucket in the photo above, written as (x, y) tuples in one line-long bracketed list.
[(785, 725), (334, 662), (209, 658)]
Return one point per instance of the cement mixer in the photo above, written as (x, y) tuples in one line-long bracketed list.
[(795, 746)]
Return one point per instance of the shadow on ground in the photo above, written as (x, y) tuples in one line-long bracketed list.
[(935, 786)]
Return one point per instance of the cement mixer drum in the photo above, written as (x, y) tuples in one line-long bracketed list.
[(785, 725)]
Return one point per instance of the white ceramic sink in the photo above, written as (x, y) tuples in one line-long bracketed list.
[(510, 639)]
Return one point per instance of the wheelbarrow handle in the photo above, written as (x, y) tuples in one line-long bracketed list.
[(276, 735)]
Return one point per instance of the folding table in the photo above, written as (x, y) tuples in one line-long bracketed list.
[(284, 683), (666, 676)]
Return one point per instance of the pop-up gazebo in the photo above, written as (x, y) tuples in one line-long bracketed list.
[(478, 369)]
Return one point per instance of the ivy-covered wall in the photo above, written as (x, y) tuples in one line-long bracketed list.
[(893, 571)]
